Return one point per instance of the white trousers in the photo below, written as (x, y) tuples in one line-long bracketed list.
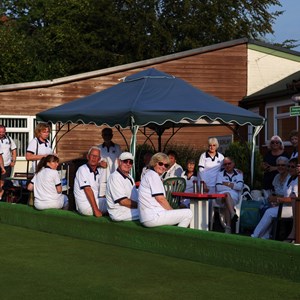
[(129, 214), (264, 227), (87, 210), (62, 202), (182, 217)]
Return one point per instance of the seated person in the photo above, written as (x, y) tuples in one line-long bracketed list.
[(279, 182), (230, 182), (264, 227), (154, 208), (190, 175), (174, 170), (121, 193), (87, 186), (46, 185)]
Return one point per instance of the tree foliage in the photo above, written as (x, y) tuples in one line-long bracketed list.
[(45, 39)]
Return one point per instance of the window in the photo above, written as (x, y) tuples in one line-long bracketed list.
[(279, 121), (21, 130)]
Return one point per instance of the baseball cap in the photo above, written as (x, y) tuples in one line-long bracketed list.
[(126, 155)]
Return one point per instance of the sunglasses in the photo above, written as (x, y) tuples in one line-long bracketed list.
[(228, 164), (275, 142), (291, 167), (127, 161), (162, 164), (281, 165)]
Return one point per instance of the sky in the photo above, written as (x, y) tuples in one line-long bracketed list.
[(287, 25)]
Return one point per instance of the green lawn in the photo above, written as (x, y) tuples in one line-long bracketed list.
[(38, 265)]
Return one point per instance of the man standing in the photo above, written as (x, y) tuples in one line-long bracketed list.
[(109, 153), (121, 193), (87, 184), (8, 149)]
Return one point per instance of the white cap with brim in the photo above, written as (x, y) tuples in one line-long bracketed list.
[(126, 155)]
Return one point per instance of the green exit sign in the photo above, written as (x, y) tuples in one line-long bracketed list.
[(294, 111)]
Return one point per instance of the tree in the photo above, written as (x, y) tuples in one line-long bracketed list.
[(48, 39)]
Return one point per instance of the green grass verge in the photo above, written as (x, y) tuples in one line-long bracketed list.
[(231, 251), (38, 265)]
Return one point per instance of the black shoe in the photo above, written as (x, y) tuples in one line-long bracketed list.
[(234, 218)]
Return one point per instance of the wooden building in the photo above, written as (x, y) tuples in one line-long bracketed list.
[(231, 71)]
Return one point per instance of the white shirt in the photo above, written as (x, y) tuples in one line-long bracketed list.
[(291, 187), (294, 154), (85, 177), (45, 193), (236, 178), (189, 188), (36, 146), (210, 167), (174, 171), (7, 145), (150, 186), (110, 155), (119, 186)]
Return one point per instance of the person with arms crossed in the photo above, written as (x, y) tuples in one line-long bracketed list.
[(87, 186), (121, 193), (9, 155), (230, 182), (2, 172)]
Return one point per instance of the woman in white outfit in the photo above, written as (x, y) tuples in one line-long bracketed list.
[(46, 185), (210, 164), (154, 208), (264, 227)]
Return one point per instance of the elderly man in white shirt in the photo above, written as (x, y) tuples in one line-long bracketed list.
[(87, 186), (121, 193)]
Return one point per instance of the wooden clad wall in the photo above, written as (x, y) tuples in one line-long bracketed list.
[(222, 73)]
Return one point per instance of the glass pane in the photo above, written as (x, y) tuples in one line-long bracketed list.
[(285, 126), (283, 109), (14, 123), (21, 140)]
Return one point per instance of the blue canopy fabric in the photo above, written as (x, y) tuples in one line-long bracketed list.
[(150, 98), (156, 100)]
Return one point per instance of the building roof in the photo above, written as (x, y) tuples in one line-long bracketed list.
[(261, 46), (287, 86)]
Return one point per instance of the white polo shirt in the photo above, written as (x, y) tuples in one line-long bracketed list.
[(236, 178), (110, 155), (45, 193), (7, 145), (85, 177), (150, 186), (291, 187), (189, 188), (120, 186), (36, 146), (210, 167), (175, 171)]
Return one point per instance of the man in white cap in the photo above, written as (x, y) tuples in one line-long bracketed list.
[(121, 193)]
